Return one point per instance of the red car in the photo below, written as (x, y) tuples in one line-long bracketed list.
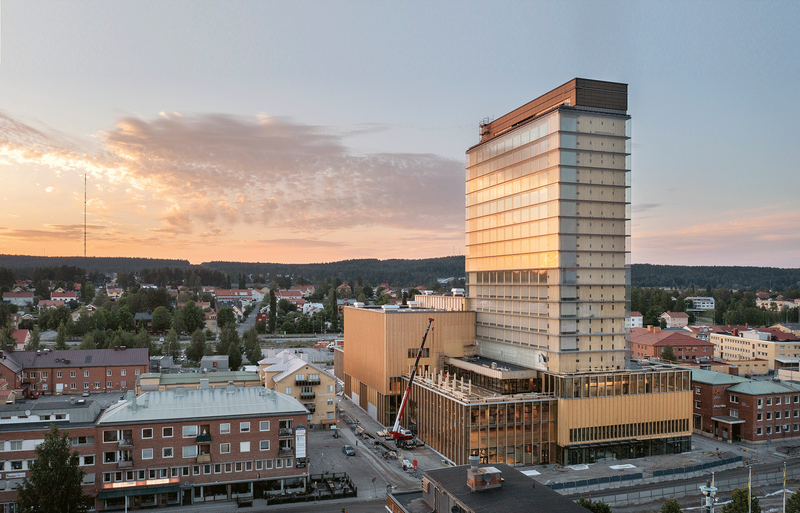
[(34, 394)]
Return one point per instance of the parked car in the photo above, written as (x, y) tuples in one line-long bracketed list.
[(85, 393), (348, 450), (34, 394)]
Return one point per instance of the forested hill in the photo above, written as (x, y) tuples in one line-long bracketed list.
[(23, 265), (407, 272), (683, 277)]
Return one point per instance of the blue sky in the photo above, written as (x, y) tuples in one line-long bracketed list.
[(316, 131)]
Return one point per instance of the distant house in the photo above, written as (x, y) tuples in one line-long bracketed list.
[(114, 293), (211, 322), (675, 319), (295, 297), (22, 338), (66, 297), (635, 320), (233, 295), (44, 304), (217, 363), (143, 320), (647, 343), (305, 290), (701, 303), (22, 299)]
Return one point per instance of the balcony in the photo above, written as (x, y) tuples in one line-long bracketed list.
[(307, 395), (124, 464), (311, 407), (306, 382), (203, 438), (125, 442), (285, 432), (203, 458), (283, 451)]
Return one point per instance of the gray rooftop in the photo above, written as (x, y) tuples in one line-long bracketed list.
[(183, 404), (78, 358), (716, 378), (763, 388), (81, 412)]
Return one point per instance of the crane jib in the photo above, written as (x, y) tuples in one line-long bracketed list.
[(395, 432)]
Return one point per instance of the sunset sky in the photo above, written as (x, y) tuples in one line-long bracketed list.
[(305, 131)]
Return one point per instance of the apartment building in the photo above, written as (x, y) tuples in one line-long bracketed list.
[(191, 446), (733, 408), (73, 371), (764, 343), (650, 342), (157, 381), (292, 373)]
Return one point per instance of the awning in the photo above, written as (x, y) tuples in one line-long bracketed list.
[(328, 421), (132, 492), (727, 419)]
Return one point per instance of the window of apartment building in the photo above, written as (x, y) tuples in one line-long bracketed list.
[(760, 403), (244, 427), (313, 377), (759, 416), (224, 448), (769, 415), (15, 445), (769, 401), (33, 374), (228, 467), (175, 472), (97, 385), (152, 473), (108, 384), (85, 385), (330, 415), (72, 386), (166, 432), (166, 452), (189, 431), (697, 404), (299, 377), (758, 431), (331, 390), (123, 384), (238, 466), (777, 429), (734, 413), (777, 401), (82, 440), (110, 436), (44, 386), (330, 402), (734, 399), (207, 468), (248, 466), (244, 446), (123, 372), (136, 372), (218, 468), (110, 457), (267, 464), (769, 430), (147, 433), (225, 428), (86, 374), (777, 415), (259, 464), (44, 374), (189, 451), (796, 427), (278, 463), (263, 445), (185, 471), (288, 390), (787, 414), (147, 454), (58, 374), (108, 373), (88, 460), (263, 425), (196, 470), (285, 444)]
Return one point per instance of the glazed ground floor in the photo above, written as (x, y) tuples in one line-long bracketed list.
[(623, 449)]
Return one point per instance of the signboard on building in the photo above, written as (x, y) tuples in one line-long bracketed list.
[(300, 442)]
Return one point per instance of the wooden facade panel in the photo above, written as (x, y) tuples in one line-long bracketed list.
[(622, 410)]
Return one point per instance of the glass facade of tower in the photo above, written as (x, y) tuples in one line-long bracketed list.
[(547, 226)]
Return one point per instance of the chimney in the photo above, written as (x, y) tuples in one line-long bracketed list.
[(132, 400), (473, 461)]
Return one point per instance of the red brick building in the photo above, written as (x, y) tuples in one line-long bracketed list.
[(73, 371), (733, 408), (167, 448), (649, 342)]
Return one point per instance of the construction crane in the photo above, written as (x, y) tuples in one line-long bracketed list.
[(399, 434)]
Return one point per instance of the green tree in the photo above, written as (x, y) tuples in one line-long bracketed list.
[(229, 345), (671, 506), (55, 482), (88, 342), (125, 318), (197, 347), (162, 319), (34, 344), (143, 340), (303, 326), (273, 311), (193, 317), (738, 503), (261, 326), (333, 310), (668, 354), (225, 317), (242, 284), (252, 347), (87, 292), (171, 345), (594, 506), (793, 503), (61, 337)]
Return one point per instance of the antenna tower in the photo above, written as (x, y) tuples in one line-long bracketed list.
[(84, 215)]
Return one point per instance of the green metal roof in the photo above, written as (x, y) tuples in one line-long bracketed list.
[(195, 377), (715, 378), (763, 388)]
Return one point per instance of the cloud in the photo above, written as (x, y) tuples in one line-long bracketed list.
[(299, 243), (49, 189), (274, 172)]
